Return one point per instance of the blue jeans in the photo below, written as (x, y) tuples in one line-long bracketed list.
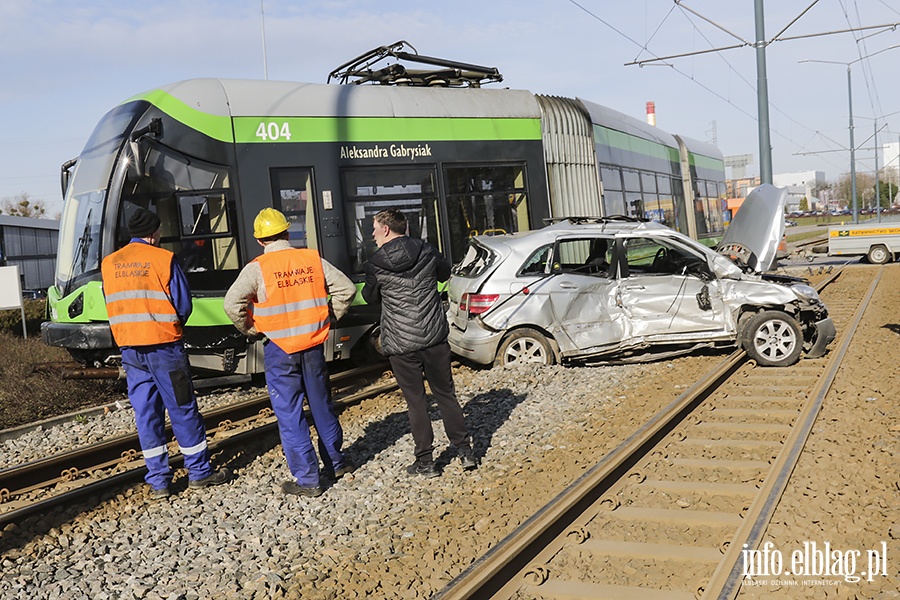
[(291, 378)]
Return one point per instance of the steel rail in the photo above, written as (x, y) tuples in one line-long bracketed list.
[(726, 579), (496, 568), (27, 475), (493, 570), (123, 450)]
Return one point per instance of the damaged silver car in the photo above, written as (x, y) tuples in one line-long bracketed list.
[(620, 290)]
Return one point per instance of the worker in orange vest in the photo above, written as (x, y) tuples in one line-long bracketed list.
[(148, 302), (283, 294)]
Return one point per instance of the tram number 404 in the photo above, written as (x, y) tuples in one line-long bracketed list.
[(273, 131)]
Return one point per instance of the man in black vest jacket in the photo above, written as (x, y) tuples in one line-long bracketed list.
[(403, 275)]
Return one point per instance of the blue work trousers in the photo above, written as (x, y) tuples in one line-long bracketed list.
[(291, 378), (159, 380)]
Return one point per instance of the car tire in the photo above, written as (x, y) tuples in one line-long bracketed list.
[(525, 345), (772, 338), (878, 255)]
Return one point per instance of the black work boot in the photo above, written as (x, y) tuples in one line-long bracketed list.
[(347, 469), (467, 458), (424, 468), (217, 478), (294, 488)]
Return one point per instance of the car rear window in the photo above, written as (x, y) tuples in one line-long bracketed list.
[(477, 259)]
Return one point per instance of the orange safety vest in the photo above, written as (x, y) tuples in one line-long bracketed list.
[(138, 301), (295, 313)]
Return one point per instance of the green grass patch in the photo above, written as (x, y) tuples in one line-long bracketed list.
[(806, 235)]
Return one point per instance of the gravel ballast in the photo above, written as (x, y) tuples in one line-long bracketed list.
[(376, 532), (379, 533)]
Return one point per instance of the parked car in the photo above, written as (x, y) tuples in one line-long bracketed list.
[(34, 294), (624, 290)]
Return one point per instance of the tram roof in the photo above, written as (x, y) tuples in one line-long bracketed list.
[(703, 148), (613, 119), (245, 97)]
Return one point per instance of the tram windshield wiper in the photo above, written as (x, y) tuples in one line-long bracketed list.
[(81, 253)]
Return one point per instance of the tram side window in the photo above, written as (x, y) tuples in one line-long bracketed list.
[(292, 191), (368, 191), (191, 199), (484, 200), (613, 196)]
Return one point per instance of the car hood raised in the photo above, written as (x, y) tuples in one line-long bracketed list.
[(753, 235)]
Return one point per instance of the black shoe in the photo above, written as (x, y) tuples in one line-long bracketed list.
[(425, 469), (345, 470), (311, 491), (467, 458), (333, 476), (217, 478), (159, 494)]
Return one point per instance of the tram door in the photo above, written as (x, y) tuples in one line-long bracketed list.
[(368, 191), (484, 199), (291, 192)]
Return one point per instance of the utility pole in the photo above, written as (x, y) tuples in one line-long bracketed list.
[(877, 183), (852, 150), (762, 97), (262, 15)]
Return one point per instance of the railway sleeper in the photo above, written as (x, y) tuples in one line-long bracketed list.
[(576, 590)]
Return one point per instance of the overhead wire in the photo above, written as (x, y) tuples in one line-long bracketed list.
[(644, 48), (753, 87), (691, 77)]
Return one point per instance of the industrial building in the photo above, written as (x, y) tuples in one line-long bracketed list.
[(31, 244)]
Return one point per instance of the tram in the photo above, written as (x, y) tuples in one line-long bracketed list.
[(207, 154)]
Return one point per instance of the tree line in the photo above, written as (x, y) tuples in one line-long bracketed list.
[(22, 205)]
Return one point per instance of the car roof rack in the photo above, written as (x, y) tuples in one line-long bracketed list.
[(453, 73), (596, 220)]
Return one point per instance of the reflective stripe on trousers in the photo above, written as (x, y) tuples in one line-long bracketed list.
[(291, 378), (151, 391)]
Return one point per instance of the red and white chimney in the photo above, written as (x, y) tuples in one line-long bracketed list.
[(651, 113)]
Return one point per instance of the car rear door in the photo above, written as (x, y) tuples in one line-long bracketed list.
[(583, 296)]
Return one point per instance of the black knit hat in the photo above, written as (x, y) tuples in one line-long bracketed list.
[(143, 223)]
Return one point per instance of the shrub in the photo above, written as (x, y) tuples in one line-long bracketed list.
[(35, 314), (28, 394)]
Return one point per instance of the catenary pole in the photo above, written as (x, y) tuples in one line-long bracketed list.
[(852, 151), (262, 16), (762, 97), (877, 183)]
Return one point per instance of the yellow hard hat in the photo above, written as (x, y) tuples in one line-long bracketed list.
[(269, 222)]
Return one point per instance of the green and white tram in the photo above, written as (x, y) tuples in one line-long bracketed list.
[(207, 154)]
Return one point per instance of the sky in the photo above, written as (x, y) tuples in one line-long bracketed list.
[(65, 64)]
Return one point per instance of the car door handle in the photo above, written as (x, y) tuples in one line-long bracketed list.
[(632, 288), (568, 286)]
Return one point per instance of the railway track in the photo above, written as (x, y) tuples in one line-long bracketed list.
[(41, 485), (672, 512)]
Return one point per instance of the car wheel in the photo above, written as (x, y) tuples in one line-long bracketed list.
[(525, 346), (772, 338), (878, 255)]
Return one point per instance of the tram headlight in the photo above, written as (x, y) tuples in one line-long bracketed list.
[(805, 292)]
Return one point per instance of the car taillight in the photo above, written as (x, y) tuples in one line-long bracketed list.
[(475, 304)]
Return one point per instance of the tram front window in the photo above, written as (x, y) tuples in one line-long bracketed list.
[(193, 202), (85, 204)]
